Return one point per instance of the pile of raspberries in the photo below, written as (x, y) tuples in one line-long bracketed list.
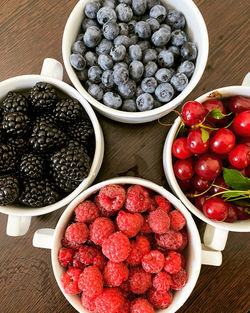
[(123, 251)]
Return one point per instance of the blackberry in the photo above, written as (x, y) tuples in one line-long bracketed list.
[(67, 110), (15, 102), (48, 118), (43, 96), (82, 132), (15, 123), (38, 193), (19, 144), (46, 136), (7, 158), (31, 166), (9, 189), (69, 166)]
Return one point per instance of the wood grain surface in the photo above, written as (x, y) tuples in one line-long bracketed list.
[(31, 31)]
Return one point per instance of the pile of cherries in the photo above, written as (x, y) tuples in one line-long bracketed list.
[(212, 142)]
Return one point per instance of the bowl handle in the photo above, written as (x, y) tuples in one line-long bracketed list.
[(18, 225), (43, 238), (215, 238), (246, 80), (52, 68), (210, 257)]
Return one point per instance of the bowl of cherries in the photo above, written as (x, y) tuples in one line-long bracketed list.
[(206, 160)]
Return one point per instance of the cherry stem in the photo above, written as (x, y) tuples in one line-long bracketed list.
[(163, 114), (192, 195)]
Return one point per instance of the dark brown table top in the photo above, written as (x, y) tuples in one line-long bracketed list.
[(31, 31)]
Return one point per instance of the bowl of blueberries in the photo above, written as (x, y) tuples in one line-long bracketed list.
[(135, 60)]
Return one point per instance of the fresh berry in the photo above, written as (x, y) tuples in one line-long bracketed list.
[(160, 300), (179, 279), (179, 81), (91, 281), (183, 169), (78, 47), (67, 110), (70, 280), (126, 307), (137, 199), (173, 262), (223, 141), (101, 229), (9, 189), (135, 254), (143, 243), (15, 102), (171, 240), (110, 30), (87, 254), (189, 51), (65, 256), (116, 247), (161, 37), (238, 104), (76, 262), (195, 143), (88, 303), (118, 53), (141, 305), (130, 224), (145, 102), (159, 221), (99, 260), (219, 181), (232, 215), (239, 156), (82, 132), (92, 8), (70, 244), (177, 220), (139, 6), (208, 166), (201, 184), (211, 105), (164, 92), (7, 158), (193, 113), (15, 123), (43, 96), (139, 280), (176, 19), (150, 69), (111, 197), (163, 203), (77, 232), (216, 209), (115, 273), (86, 212), (187, 68), (153, 261), (31, 166), (77, 61), (149, 84), (180, 148), (241, 124), (162, 282), (110, 300), (112, 100), (129, 105)]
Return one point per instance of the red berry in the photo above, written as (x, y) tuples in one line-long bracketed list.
[(241, 124), (212, 104), (101, 229), (172, 262), (87, 254), (100, 260), (215, 209), (171, 240), (238, 104), (91, 281), (143, 243), (180, 149), (232, 214), (240, 155), (137, 199), (208, 166), (77, 261), (77, 233), (193, 113), (109, 301), (130, 224), (179, 279), (86, 212), (70, 244), (219, 181), (185, 185), (65, 256), (70, 280), (199, 201), (111, 197), (115, 273), (222, 141), (160, 300), (126, 307), (159, 221), (102, 210), (195, 143), (200, 183), (139, 280), (184, 240), (163, 203), (88, 303), (162, 282), (145, 227), (241, 213), (183, 169), (141, 305), (135, 254), (153, 261), (177, 220), (245, 140)]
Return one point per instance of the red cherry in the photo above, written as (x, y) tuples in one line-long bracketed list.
[(195, 143), (241, 212), (183, 169), (180, 149), (232, 214), (185, 185), (199, 201), (239, 156), (223, 141), (208, 166), (238, 104), (241, 124), (212, 104), (219, 181), (215, 209), (193, 113), (245, 140), (200, 183)]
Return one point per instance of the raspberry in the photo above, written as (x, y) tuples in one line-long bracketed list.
[(184, 239), (159, 221), (65, 256), (163, 203), (137, 199), (171, 240), (103, 212), (115, 273), (109, 301), (145, 229), (160, 300), (100, 260), (139, 280), (70, 279), (141, 305), (126, 307), (153, 205), (86, 212), (162, 282), (177, 220), (91, 281), (130, 224), (77, 233), (111, 197), (101, 229), (117, 247), (125, 288), (87, 254), (135, 255), (173, 262), (143, 243), (183, 260), (179, 279), (88, 303), (153, 261), (77, 262), (70, 245)]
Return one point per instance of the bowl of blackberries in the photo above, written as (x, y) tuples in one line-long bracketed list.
[(135, 60)]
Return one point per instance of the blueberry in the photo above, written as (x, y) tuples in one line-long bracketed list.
[(135, 52), (105, 62), (79, 37), (176, 19), (178, 37), (163, 75), (120, 64), (106, 14), (152, 3), (104, 46), (189, 51), (78, 61), (95, 91), (136, 70), (139, 6), (91, 58), (88, 83), (175, 50), (78, 47), (118, 53), (121, 76), (159, 49), (144, 44), (149, 84), (112, 100), (164, 92), (128, 89), (153, 23), (134, 39), (95, 74), (131, 26), (92, 36), (123, 28), (158, 12), (150, 69), (179, 81), (110, 30), (107, 79), (109, 3), (122, 40), (165, 58), (166, 26), (124, 12), (82, 75), (145, 102), (129, 105), (150, 55), (92, 8), (186, 67), (128, 2), (143, 30), (86, 23), (161, 37), (139, 91)]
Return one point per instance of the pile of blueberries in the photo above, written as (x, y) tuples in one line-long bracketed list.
[(133, 55)]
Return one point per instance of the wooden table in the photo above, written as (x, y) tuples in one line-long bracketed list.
[(31, 31)]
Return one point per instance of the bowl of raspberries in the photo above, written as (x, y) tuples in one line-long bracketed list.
[(126, 245), (51, 145), (135, 60), (207, 161)]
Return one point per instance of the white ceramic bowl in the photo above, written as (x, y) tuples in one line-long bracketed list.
[(216, 233), (52, 72), (197, 31), (49, 238)]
